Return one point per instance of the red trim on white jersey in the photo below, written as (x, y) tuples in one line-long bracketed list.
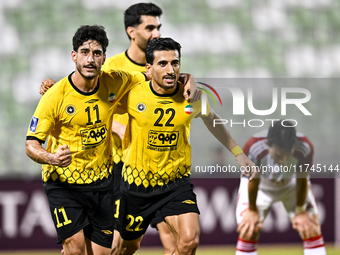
[(314, 242), (246, 246)]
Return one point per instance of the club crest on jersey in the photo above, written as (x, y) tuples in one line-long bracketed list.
[(34, 124), (141, 107), (112, 98), (70, 109), (189, 109)]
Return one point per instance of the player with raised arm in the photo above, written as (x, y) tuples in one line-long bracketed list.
[(76, 114), (273, 149), (156, 172)]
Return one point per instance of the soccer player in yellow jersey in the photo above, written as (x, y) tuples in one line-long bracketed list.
[(76, 114), (157, 153), (142, 24)]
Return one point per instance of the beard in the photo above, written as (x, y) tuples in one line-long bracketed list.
[(88, 76)]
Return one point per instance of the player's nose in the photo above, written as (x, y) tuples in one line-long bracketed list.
[(156, 34)]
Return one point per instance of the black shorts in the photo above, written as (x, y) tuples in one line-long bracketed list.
[(117, 182), (136, 213), (91, 211), (158, 219)]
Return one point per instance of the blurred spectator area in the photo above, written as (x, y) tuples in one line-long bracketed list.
[(220, 39)]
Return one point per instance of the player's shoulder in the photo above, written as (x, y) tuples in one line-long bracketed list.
[(258, 138), (112, 62), (58, 89), (303, 144), (256, 144), (115, 73), (142, 87)]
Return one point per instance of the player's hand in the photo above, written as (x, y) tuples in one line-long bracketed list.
[(250, 226), (191, 93), (305, 225), (247, 166), (46, 85), (63, 157)]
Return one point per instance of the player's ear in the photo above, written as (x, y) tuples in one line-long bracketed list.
[(266, 142), (131, 32), (74, 56), (104, 58), (148, 67)]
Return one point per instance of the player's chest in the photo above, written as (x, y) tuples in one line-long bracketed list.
[(158, 113), (86, 111)]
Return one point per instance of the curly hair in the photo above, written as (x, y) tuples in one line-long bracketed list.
[(85, 33), (160, 44)]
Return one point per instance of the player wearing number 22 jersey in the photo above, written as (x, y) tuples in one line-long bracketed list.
[(156, 143)]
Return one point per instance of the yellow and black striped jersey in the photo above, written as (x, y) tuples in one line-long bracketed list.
[(156, 142), (122, 62), (83, 122)]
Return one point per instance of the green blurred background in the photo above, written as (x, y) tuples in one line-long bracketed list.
[(240, 39)]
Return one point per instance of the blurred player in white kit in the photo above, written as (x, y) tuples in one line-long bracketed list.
[(273, 149)]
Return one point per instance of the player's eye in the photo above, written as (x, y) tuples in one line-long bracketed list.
[(175, 64)]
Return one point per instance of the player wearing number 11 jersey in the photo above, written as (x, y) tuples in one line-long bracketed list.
[(76, 114)]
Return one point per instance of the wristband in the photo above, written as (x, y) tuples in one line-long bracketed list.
[(236, 150), (300, 209)]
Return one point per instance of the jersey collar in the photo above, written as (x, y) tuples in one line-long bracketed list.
[(164, 95), (82, 92)]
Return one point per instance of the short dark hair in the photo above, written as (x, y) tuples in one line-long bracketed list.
[(85, 33), (132, 15), (284, 137), (160, 44)]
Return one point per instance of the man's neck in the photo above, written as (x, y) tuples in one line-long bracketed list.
[(83, 84), (136, 54)]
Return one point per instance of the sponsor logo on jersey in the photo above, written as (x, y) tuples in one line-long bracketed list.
[(108, 232), (34, 124), (162, 140), (70, 109), (189, 109), (91, 101), (92, 137), (141, 107), (112, 97), (188, 202)]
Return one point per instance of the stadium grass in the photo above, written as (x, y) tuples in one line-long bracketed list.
[(207, 250)]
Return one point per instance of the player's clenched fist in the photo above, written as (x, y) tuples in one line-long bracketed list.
[(63, 156)]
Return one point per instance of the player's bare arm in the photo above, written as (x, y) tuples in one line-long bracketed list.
[(251, 224), (190, 91), (38, 154), (223, 135), (118, 128)]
